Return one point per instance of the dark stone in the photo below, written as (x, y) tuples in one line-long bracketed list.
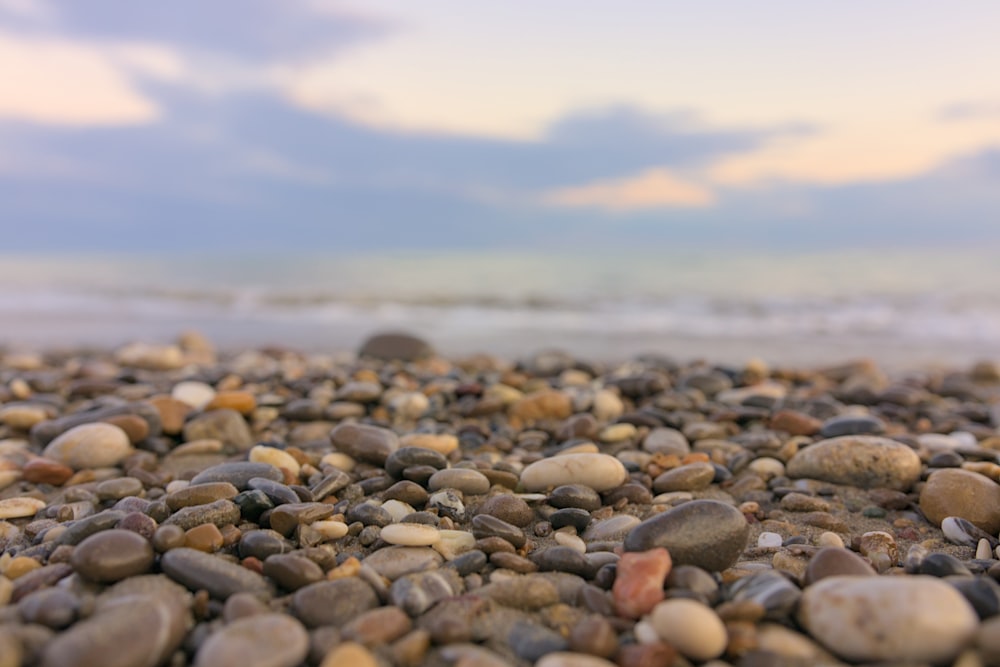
[(395, 346), (706, 533)]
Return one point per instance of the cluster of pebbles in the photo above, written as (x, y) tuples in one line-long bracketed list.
[(162, 505)]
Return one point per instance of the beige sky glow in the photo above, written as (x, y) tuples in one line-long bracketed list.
[(654, 188)]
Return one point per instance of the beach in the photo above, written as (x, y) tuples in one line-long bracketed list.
[(176, 501)]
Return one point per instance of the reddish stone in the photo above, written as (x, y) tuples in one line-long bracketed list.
[(646, 655), (639, 581), (46, 471), (795, 423)]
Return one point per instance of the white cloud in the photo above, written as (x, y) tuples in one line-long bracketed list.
[(64, 82)]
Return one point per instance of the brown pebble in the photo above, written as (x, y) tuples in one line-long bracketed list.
[(168, 537), (656, 654), (46, 471), (595, 636), (409, 651), (172, 413), (378, 626), (241, 401), (205, 537), (135, 427), (349, 654)]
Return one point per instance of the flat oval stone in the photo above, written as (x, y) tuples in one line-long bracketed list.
[(237, 473), (112, 555), (97, 445), (197, 570), (18, 508), (871, 619), (484, 525), (333, 602), (600, 472), (220, 513), (691, 477), (396, 561), (575, 495), (134, 631), (471, 482), (200, 494), (291, 571), (706, 533), (851, 425), (364, 442), (263, 640), (411, 534), (962, 493), (866, 461), (395, 346), (285, 518), (835, 561)]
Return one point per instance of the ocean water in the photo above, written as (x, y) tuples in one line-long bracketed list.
[(905, 308)]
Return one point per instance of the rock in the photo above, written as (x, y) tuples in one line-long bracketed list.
[(96, 445), (418, 592), (134, 631), (349, 654), (691, 627), (530, 641), (691, 477), (594, 636), (291, 571), (545, 404), (508, 507), (469, 482), (706, 533), (442, 443), (263, 640), (411, 534), (864, 460), (112, 555), (46, 471), (395, 347), (237, 473), (276, 457), (221, 513), (20, 507), (528, 592), (285, 518), (396, 561), (639, 581), (599, 472), (221, 578), (226, 426), (961, 493), (200, 494), (333, 602), (851, 425), (244, 402), (378, 626), (795, 423), (193, 393), (364, 442), (836, 561), (871, 619)]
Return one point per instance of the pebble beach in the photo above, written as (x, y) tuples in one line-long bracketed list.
[(173, 504)]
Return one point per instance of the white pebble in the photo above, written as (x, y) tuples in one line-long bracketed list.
[(570, 540), (454, 543), (600, 472), (20, 507), (397, 509), (768, 540), (830, 539), (339, 460), (331, 530), (645, 633), (276, 457), (410, 534), (196, 394), (691, 627), (983, 551)]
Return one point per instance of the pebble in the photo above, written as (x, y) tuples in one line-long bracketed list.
[(112, 555), (469, 482), (960, 493), (442, 443), (851, 425), (137, 631), (193, 393), (706, 533), (691, 627), (237, 473), (275, 457), (333, 602), (225, 425), (252, 641), (396, 561), (599, 472), (836, 561), (509, 508), (639, 581), (858, 460), (379, 626), (395, 346), (221, 578), (96, 445), (914, 618), (691, 477), (411, 534), (364, 442), (17, 508)]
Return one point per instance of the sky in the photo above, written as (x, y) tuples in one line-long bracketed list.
[(246, 125)]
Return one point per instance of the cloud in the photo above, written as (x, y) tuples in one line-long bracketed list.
[(979, 110), (653, 188), (65, 83)]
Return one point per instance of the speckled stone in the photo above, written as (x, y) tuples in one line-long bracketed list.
[(871, 619), (961, 493), (706, 533), (225, 425), (509, 508), (237, 473), (865, 461), (90, 446)]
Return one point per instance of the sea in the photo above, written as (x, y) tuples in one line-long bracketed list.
[(903, 308)]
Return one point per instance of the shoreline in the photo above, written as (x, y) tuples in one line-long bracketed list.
[(548, 509)]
